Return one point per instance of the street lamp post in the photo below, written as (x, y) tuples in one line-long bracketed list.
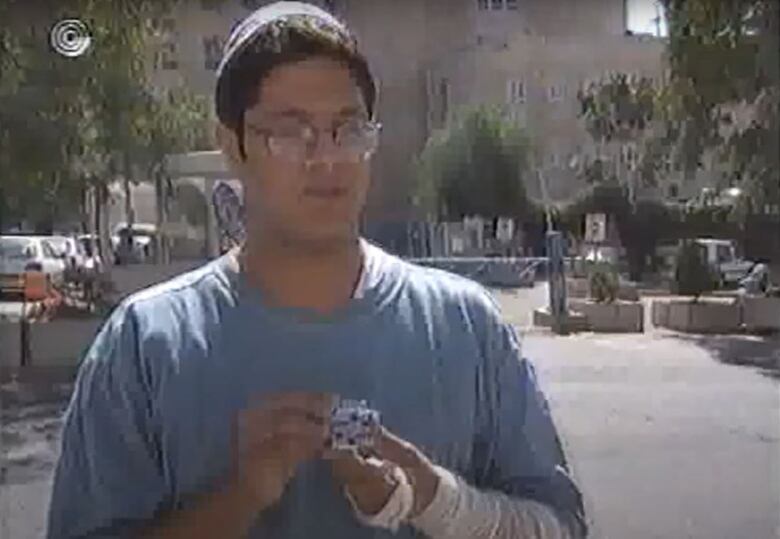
[(556, 276)]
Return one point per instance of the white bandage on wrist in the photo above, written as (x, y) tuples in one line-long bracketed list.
[(397, 508)]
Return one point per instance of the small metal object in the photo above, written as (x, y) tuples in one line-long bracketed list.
[(353, 425)]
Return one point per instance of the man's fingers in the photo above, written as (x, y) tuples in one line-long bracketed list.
[(390, 447), (351, 469)]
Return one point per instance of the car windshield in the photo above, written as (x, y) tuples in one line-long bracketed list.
[(60, 245), (17, 248)]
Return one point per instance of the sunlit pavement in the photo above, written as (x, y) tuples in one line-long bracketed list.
[(669, 436)]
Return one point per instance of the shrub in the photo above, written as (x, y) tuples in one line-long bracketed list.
[(693, 276), (604, 283)]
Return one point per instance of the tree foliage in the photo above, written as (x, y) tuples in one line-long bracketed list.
[(619, 112), (475, 167), (67, 124), (724, 54)]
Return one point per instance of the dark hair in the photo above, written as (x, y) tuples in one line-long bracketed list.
[(286, 40)]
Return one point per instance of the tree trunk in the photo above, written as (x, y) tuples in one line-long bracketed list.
[(161, 207)]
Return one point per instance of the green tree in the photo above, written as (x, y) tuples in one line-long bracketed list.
[(69, 124), (618, 113), (475, 167), (723, 54)]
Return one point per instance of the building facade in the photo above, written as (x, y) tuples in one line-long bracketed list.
[(433, 58)]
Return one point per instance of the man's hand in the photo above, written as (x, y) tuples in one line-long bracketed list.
[(367, 479), (274, 438)]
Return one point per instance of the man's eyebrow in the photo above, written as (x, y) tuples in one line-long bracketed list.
[(350, 110)]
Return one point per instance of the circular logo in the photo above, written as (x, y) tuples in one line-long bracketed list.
[(70, 38)]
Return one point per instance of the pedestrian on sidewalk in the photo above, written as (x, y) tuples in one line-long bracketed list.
[(202, 409)]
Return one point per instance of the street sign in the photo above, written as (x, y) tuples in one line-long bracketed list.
[(505, 229), (596, 227)]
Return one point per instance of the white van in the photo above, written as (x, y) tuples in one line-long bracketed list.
[(722, 257)]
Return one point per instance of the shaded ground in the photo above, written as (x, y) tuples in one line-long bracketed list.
[(761, 353)]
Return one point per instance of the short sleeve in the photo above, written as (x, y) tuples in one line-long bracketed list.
[(517, 449), (108, 477)]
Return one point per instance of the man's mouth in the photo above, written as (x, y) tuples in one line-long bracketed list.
[(323, 192)]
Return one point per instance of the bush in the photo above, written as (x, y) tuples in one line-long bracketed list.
[(604, 284), (693, 276)]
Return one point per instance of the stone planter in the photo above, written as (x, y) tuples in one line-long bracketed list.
[(577, 287), (574, 322), (617, 317), (698, 317), (761, 314), (628, 292)]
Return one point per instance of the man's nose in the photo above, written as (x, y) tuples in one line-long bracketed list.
[(324, 151)]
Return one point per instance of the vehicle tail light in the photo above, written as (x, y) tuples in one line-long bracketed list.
[(33, 266)]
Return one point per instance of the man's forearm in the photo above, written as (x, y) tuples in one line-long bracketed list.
[(460, 510), (228, 513)]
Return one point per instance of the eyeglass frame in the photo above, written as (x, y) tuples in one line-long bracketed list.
[(313, 142)]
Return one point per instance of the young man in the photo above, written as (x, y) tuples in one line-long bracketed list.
[(201, 409)]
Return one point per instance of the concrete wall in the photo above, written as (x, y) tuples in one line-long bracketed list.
[(61, 343), (10, 344)]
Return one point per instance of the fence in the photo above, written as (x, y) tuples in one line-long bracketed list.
[(509, 272)]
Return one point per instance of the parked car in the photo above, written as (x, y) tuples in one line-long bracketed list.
[(90, 245), (22, 254), (721, 255), (136, 242), (70, 250)]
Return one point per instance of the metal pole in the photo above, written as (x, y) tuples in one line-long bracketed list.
[(24, 329), (556, 279)]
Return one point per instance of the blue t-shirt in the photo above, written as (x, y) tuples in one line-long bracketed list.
[(150, 421)]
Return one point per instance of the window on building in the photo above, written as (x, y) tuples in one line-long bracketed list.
[(212, 52), (444, 99), (497, 5), (166, 57), (673, 190), (515, 91), (555, 92)]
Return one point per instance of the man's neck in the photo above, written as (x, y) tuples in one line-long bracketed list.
[(291, 274)]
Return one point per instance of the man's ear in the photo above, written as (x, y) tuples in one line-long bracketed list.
[(228, 143)]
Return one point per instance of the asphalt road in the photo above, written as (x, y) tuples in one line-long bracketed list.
[(669, 436)]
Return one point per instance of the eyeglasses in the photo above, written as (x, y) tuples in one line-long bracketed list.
[(353, 140)]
